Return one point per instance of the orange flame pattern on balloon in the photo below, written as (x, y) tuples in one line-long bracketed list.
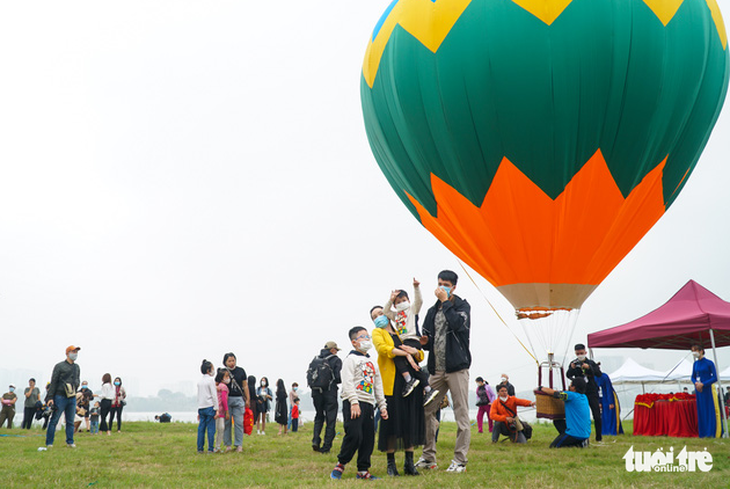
[(520, 235)]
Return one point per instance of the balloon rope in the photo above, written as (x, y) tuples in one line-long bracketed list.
[(496, 312)]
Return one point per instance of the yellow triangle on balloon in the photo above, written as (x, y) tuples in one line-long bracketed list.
[(719, 24), (545, 10), (664, 9)]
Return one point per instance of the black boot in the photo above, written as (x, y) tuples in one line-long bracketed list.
[(392, 468), (408, 467)]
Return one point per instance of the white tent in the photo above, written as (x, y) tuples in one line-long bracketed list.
[(681, 372), (725, 374), (633, 373)]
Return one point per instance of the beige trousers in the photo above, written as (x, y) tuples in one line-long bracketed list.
[(458, 384)]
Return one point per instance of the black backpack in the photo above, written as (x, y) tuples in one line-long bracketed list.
[(320, 374)]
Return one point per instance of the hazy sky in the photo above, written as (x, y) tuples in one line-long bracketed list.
[(181, 179)]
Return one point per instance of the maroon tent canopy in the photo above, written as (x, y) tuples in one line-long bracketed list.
[(684, 320)]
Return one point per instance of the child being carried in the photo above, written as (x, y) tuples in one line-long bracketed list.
[(405, 318)]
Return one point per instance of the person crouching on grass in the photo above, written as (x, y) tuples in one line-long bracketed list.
[(362, 389), (577, 415), (207, 406), (504, 414)]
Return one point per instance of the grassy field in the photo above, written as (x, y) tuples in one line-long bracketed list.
[(164, 455)]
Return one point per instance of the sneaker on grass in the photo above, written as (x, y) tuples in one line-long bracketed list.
[(337, 472), (367, 475), (426, 464), (456, 467)]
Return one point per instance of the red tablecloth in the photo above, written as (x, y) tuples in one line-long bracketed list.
[(665, 414)]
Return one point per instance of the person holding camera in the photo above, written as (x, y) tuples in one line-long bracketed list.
[(504, 415), (585, 368)]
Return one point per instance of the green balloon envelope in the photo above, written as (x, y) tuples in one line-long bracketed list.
[(604, 79)]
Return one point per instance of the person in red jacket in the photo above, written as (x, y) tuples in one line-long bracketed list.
[(504, 414)]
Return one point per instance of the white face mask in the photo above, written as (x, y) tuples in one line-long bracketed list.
[(403, 306), (504, 379), (73, 356), (365, 345), (581, 357), (503, 399), (696, 354)]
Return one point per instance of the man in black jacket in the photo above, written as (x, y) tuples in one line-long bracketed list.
[(325, 401), (587, 369), (65, 379), (446, 336)]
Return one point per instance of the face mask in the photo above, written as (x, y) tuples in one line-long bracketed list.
[(119, 383), (696, 354), (581, 357), (84, 387), (381, 322), (296, 388), (263, 384), (365, 345), (73, 356), (227, 381), (447, 289), (402, 306), (503, 399), (12, 389), (504, 379)]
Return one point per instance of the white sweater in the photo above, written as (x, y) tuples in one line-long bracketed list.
[(207, 395), (405, 321), (361, 380)]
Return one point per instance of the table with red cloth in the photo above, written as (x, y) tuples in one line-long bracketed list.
[(665, 415)]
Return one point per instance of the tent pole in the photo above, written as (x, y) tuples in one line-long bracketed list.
[(719, 385)]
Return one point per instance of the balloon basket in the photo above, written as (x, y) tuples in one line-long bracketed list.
[(546, 405)]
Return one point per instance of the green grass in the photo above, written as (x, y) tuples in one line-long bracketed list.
[(164, 455)]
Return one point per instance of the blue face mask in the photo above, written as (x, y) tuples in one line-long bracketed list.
[(117, 383), (447, 289), (12, 389), (381, 321)]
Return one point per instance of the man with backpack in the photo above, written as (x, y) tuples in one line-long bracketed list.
[(323, 376)]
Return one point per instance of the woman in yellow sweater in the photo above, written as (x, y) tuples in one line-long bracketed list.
[(405, 427)]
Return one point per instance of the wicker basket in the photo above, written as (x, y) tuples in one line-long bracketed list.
[(549, 407)]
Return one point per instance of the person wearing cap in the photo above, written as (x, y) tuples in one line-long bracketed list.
[(65, 380), (8, 410), (325, 401)]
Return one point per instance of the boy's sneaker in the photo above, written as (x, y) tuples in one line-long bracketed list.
[(410, 385), (426, 464), (456, 467), (70, 445), (337, 472), (430, 397), (367, 475)]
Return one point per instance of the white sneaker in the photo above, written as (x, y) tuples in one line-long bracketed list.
[(456, 467), (425, 464)]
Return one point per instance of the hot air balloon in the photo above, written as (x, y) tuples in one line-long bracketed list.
[(539, 140)]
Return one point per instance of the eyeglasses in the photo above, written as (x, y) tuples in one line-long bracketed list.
[(363, 337)]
